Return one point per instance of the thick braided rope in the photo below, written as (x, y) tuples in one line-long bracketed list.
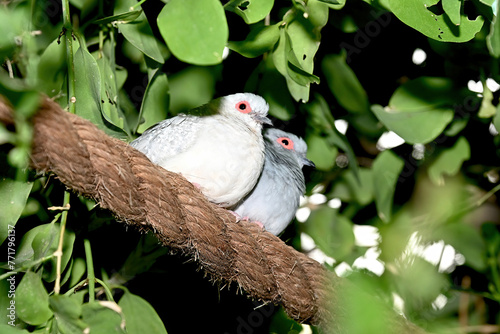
[(140, 193)]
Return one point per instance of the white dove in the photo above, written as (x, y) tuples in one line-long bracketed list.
[(218, 146)]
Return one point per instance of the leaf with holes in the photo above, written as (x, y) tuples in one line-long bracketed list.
[(251, 11), (195, 31), (418, 15), (109, 93), (88, 92)]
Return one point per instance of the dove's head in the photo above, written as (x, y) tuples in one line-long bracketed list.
[(287, 146), (248, 107)]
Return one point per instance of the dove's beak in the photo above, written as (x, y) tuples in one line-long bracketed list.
[(308, 162), (262, 119)]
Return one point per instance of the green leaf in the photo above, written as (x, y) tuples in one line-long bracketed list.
[(251, 11), (271, 85), (321, 152), (77, 271), (109, 93), (120, 18), (496, 118), (344, 84), (67, 313), (280, 59), (49, 273), (281, 323), (360, 297), (52, 68), (42, 241), (493, 39), (13, 197), (334, 4), (8, 329), (261, 39), (465, 239), (195, 31), (351, 188), (140, 316), (419, 110), (386, 169), (452, 9), (331, 232), (417, 15), (12, 24), (449, 161), (487, 109), (138, 32), (320, 118), (26, 250), (88, 92), (155, 104), (419, 283), (104, 317), (32, 300), (299, 41), (191, 79)]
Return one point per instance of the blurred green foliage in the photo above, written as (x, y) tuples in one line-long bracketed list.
[(431, 198)]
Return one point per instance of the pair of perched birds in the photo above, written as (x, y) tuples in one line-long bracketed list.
[(220, 148)]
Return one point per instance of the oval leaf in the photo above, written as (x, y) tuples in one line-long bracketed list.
[(419, 110), (13, 197), (195, 30), (344, 84), (32, 301), (332, 232), (140, 316)]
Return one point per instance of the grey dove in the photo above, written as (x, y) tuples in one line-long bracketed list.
[(275, 199), (218, 146)]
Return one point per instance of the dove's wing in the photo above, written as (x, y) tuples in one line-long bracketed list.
[(169, 137)]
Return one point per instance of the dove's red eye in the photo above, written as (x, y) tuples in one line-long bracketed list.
[(243, 107), (285, 142)]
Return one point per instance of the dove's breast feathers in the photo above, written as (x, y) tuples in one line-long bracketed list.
[(214, 152)]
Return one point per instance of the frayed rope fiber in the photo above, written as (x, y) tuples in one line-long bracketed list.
[(122, 180)]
